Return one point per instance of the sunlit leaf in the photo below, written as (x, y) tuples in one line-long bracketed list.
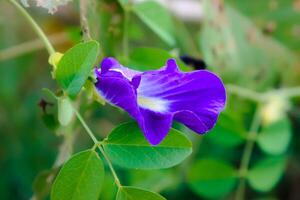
[(75, 66), (157, 19), (126, 146)]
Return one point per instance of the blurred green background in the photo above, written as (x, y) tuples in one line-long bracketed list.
[(250, 44)]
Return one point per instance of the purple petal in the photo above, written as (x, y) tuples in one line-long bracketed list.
[(155, 98)]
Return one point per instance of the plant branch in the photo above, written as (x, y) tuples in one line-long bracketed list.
[(88, 130), (247, 153), (125, 31), (110, 166), (246, 93), (83, 5), (35, 27), (31, 46)]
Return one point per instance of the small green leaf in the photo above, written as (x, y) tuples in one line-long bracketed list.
[(126, 146), (65, 111), (80, 178), (265, 174), (75, 66), (225, 134), (275, 137), (152, 58), (157, 18), (212, 178), (42, 183), (133, 193), (50, 121)]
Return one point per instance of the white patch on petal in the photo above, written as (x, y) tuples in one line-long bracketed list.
[(127, 73), (153, 103)]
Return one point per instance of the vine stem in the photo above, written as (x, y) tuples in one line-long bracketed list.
[(98, 144), (246, 93), (253, 131), (125, 31), (35, 26)]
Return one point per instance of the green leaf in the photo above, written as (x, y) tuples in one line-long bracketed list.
[(75, 66), (264, 175), (275, 137), (65, 111), (212, 178), (157, 18), (42, 183), (152, 58), (80, 178), (225, 134), (126, 146), (233, 46), (133, 193)]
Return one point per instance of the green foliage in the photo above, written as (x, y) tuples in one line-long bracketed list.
[(75, 66), (81, 177), (126, 146), (275, 137), (224, 133), (265, 174), (142, 59), (133, 193), (157, 19), (232, 45), (212, 178)]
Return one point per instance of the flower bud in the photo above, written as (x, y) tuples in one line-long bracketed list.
[(54, 59), (274, 109)]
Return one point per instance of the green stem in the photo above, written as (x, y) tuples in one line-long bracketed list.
[(247, 153), (88, 130), (125, 32), (35, 26), (117, 181), (290, 92), (246, 93), (91, 134)]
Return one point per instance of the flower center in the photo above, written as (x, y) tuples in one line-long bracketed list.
[(153, 103)]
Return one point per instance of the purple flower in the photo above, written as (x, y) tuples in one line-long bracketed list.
[(156, 98)]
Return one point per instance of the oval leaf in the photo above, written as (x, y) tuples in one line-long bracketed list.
[(65, 111), (133, 193), (266, 174), (80, 178), (157, 18), (275, 137), (225, 134), (212, 178), (75, 66), (126, 146)]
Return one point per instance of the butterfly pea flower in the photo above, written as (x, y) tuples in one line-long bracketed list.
[(156, 98)]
